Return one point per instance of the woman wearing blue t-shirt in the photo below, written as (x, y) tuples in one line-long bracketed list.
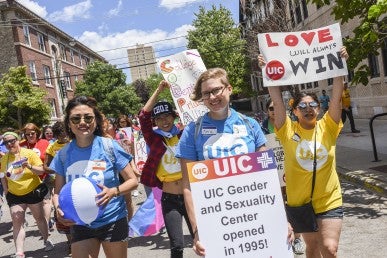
[(90, 155), (226, 133)]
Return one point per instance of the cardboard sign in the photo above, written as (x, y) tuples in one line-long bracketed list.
[(302, 57), (181, 71), (239, 207), (274, 144)]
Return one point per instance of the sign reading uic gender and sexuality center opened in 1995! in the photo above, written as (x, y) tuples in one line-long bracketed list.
[(239, 207)]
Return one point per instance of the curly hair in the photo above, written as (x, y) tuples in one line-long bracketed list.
[(58, 128)]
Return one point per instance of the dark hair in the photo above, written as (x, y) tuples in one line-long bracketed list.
[(298, 97), (58, 128), (44, 131), (88, 101)]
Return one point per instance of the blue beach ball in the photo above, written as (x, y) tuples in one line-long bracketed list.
[(78, 202)]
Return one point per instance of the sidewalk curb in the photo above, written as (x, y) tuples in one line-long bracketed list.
[(358, 177)]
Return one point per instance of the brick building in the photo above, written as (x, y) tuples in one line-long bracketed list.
[(54, 60), (297, 15)]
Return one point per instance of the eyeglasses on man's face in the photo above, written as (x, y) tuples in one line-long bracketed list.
[(77, 119), (271, 108), (215, 92), (303, 105), (10, 142)]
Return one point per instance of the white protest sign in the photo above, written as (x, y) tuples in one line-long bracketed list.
[(140, 150), (302, 57), (274, 144), (239, 207), (181, 71)]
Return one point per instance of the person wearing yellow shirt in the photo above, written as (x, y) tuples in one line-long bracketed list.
[(347, 109), (19, 173), (310, 144)]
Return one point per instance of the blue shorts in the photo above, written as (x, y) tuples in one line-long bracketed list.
[(336, 213), (113, 232)]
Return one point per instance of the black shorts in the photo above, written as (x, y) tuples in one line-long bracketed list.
[(30, 198), (114, 232)]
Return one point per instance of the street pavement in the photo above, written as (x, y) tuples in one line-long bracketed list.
[(365, 205)]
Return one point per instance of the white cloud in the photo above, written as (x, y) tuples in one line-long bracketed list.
[(174, 4), (115, 11), (35, 7), (118, 43), (69, 13)]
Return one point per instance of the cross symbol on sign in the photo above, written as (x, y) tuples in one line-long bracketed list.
[(265, 160)]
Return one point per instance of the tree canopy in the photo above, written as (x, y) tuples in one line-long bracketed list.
[(107, 85), (218, 41), (368, 37), (20, 101)]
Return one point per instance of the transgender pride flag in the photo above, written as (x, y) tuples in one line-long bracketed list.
[(148, 219)]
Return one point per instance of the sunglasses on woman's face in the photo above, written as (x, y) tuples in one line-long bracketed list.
[(10, 142), (77, 119), (304, 105), (30, 134)]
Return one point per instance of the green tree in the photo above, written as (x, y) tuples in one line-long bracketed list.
[(153, 82), (368, 37), (20, 101), (141, 89), (106, 84), (218, 41)]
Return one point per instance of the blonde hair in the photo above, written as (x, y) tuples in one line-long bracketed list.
[(212, 73)]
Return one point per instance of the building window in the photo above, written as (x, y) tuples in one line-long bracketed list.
[(351, 74), (62, 52), (304, 9), (315, 84), (47, 74), (80, 60), (298, 12), (67, 80), (72, 55), (374, 65), (53, 108), (384, 56), (33, 71), (41, 44), (26, 32), (292, 14), (330, 81)]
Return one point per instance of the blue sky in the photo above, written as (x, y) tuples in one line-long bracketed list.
[(110, 27)]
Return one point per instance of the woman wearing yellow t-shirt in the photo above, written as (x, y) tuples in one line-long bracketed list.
[(20, 170), (298, 139)]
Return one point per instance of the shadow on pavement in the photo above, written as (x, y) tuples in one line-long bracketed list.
[(357, 204), (160, 241)]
